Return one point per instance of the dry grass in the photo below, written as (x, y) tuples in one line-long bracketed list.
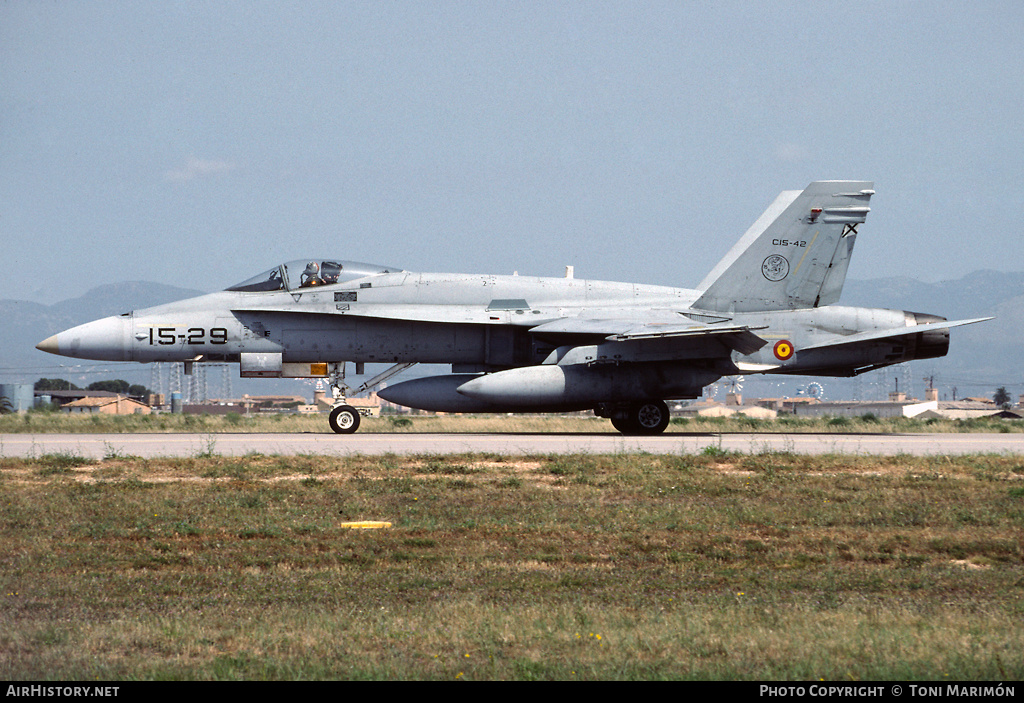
[(716, 566), (46, 422)]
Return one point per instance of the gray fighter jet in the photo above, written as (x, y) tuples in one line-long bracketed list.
[(524, 344)]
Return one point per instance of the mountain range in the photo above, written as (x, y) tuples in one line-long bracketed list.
[(981, 356)]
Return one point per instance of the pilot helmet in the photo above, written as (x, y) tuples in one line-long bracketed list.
[(330, 271)]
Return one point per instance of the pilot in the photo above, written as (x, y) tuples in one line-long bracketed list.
[(311, 276)]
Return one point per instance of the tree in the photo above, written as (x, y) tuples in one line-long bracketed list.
[(115, 386), (55, 384), (137, 390), (120, 387), (1002, 398)]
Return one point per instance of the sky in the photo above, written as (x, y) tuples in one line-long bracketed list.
[(199, 143)]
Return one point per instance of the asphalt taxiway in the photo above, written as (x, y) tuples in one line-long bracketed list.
[(98, 446)]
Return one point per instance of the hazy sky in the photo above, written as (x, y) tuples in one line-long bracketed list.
[(198, 143)]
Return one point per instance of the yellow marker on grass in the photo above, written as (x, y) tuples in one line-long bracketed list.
[(366, 525)]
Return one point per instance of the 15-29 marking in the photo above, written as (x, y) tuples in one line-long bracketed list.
[(167, 336)]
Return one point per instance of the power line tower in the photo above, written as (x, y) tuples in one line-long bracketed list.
[(225, 383), (198, 390), (174, 380), (156, 378)]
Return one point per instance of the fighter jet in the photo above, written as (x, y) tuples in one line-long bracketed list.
[(526, 344)]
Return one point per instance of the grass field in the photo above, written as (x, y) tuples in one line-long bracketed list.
[(713, 566), (42, 422)]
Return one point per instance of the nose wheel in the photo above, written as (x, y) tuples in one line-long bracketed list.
[(344, 419)]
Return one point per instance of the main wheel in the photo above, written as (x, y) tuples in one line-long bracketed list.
[(344, 419), (648, 418)]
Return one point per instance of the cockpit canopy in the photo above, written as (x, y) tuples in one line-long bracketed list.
[(306, 273)]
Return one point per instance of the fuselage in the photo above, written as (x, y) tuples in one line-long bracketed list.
[(474, 322)]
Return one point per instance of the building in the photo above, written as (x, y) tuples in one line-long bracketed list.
[(963, 410), (62, 398), (116, 405), (878, 408), (702, 409), (785, 405)]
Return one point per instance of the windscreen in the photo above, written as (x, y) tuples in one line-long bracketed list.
[(308, 273), (269, 280)]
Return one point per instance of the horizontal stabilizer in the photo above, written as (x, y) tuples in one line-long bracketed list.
[(893, 332), (748, 367)]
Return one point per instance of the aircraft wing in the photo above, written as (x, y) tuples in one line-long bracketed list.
[(644, 325), (737, 337), (654, 333), (839, 340)]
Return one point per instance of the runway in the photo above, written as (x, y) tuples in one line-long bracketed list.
[(98, 446)]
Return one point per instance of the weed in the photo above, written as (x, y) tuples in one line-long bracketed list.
[(209, 447), (59, 463)]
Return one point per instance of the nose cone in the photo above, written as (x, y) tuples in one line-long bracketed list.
[(49, 345), (103, 340)]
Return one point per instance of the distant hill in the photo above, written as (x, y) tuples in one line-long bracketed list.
[(25, 324), (990, 352), (116, 298), (981, 356), (975, 295)]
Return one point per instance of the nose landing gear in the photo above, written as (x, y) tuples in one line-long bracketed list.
[(344, 419)]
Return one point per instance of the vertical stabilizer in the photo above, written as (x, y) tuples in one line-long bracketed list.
[(795, 255)]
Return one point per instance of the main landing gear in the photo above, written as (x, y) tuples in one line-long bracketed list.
[(649, 417)]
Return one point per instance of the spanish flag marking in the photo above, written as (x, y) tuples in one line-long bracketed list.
[(783, 349)]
